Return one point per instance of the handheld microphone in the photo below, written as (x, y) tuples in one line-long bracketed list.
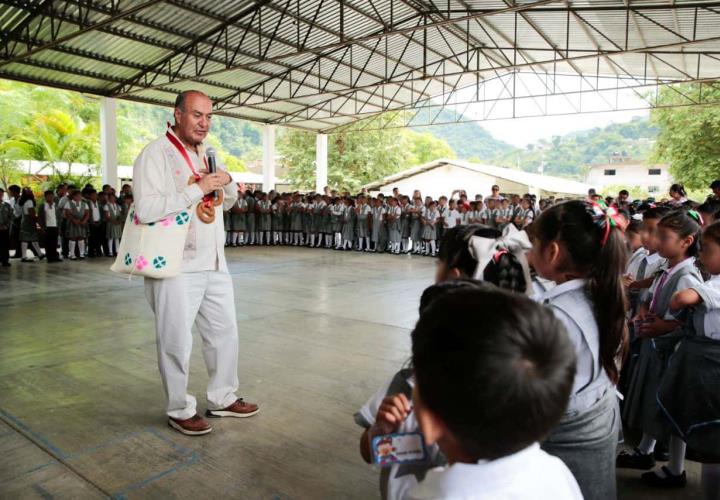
[(212, 165)]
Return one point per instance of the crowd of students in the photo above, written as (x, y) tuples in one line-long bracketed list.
[(70, 223), (395, 224), (602, 300)]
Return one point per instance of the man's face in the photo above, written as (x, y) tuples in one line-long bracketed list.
[(622, 198), (193, 123)]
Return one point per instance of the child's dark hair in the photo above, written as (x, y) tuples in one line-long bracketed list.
[(711, 206), (503, 270), (679, 189), (633, 226), (655, 212), (683, 224), (712, 232), (498, 386), (434, 291), (573, 226)]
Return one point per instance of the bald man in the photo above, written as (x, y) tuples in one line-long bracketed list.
[(164, 183)]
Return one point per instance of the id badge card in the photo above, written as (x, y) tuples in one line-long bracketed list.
[(401, 448)]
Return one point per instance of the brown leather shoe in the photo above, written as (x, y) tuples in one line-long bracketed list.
[(193, 426), (239, 409)]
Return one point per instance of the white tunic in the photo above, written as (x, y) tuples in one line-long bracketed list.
[(160, 187), (528, 474), (710, 293)]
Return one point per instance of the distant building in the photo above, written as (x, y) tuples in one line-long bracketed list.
[(629, 173), (443, 176)]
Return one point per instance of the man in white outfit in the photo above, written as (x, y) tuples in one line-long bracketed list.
[(169, 176)]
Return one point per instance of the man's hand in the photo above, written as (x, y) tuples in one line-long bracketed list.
[(212, 182)]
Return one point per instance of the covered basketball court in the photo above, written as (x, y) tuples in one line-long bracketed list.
[(80, 398)]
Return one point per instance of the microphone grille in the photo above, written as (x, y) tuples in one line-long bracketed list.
[(210, 152)]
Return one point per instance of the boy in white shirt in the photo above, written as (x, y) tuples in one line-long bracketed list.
[(488, 394)]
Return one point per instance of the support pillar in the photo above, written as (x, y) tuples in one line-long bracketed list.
[(321, 165), (268, 162), (108, 142)]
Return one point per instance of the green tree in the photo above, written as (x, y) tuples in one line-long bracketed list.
[(689, 137), (52, 137)]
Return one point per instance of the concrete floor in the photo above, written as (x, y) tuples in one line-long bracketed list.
[(81, 405)]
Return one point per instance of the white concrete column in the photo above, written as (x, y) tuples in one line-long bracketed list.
[(108, 142), (268, 164), (321, 164)]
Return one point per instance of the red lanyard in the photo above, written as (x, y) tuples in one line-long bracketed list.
[(175, 142)]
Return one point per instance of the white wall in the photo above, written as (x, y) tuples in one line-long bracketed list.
[(630, 175), (443, 181)]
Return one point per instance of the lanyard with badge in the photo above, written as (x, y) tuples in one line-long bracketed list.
[(206, 208)]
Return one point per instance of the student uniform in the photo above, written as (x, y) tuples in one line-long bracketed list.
[(633, 265), (277, 217), (377, 223), (397, 480), (318, 209), (6, 219), (238, 220), (113, 227), (689, 394), (430, 230), (417, 227), (250, 216), (442, 213), (363, 213), (527, 474), (296, 219), (405, 222), (348, 228), (393, 224), (336, 214), (640, 404), (77, 210), (28, 225), (264, 216), (586, 437), (452, 218)]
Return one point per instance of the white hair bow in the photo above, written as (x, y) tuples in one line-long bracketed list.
[(514, 241)]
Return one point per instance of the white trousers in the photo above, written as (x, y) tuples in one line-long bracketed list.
[(206, 300)]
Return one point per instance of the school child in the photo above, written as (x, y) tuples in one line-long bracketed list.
[(392, 221), (6, 218), (525, 215), (317, 207), (489, 214), (113, 224), (581, 248), (264, 208), (95, 234), (430, 228), (442, 211), (227, 224), (688, 398), (238, 220), (28, 226), (297, 210), (277, 220), (490, 435), (678, 242), (453, 217), (405, 224), (287, 219), (477, 213), (504, 214), (417, 225), (327, 223), (336, 215), (633, 240), (506, 268), (395, 481), (378, 221), (465, 211), (251, 217), (49, 225), (77, 215), (709, 211), (348, 224), (363, 213)]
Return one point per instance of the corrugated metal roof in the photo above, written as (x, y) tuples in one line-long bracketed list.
[(316, 64)]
